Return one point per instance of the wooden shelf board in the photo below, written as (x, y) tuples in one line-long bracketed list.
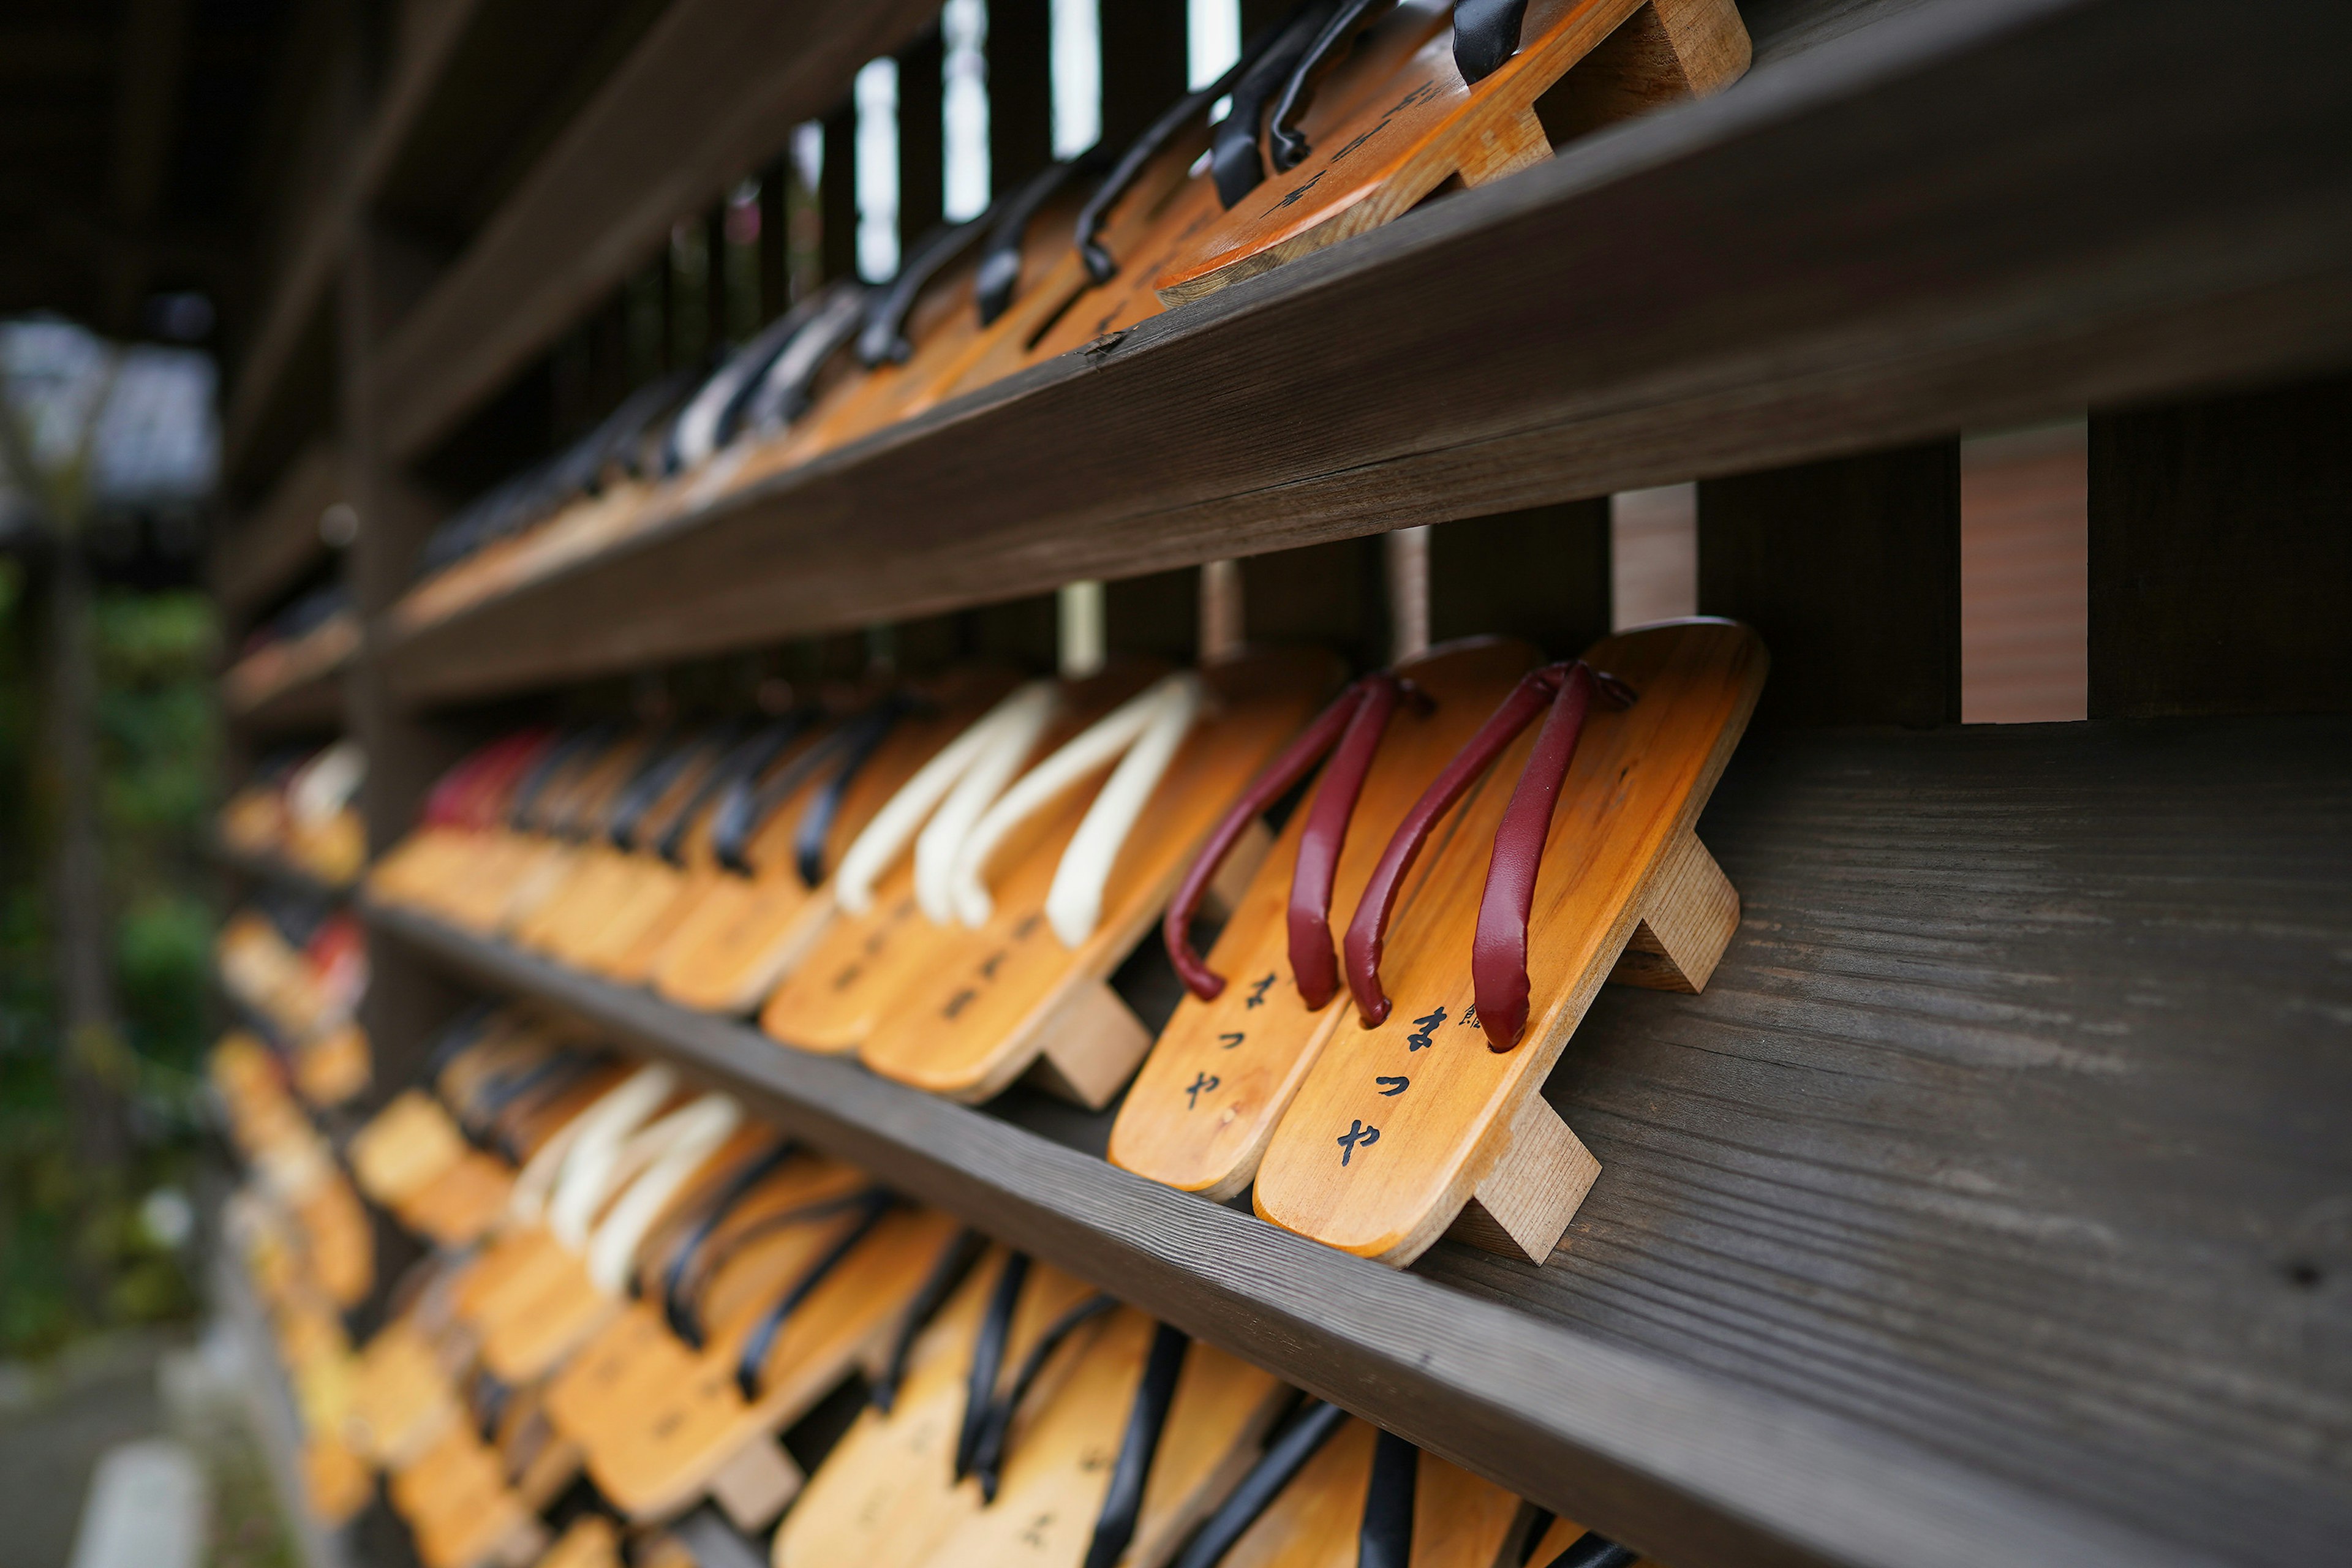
[(1950, 216), (712, 92), (1985, 1196), (315, 252)]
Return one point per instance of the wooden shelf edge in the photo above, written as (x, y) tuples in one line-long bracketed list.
[(1885, 238), (1678, 1463)]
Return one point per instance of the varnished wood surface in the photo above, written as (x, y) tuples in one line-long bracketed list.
[(1906, 219), (1993, 1191)]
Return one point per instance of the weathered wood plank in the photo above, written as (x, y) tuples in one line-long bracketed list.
[(1993, 1190), (2219, 553), (1851, 570), (1918, 225), (708, 93)]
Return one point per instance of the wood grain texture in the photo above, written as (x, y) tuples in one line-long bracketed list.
[(1851, 571), (712, 90), (1917, 223), (1993, 1190), (2219, 553)]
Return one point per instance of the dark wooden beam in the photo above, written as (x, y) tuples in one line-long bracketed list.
[(2220, 554), (713, 89), (1908, 229), (1143, 63), (1020, 90), (1541, 573), (922, 138), (775, 288), (837, 195), (33, 51), (298, 278), (1851, 571)]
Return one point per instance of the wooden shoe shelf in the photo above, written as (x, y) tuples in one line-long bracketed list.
[(1991, 1199), (1906, 219), (1904, 1213)]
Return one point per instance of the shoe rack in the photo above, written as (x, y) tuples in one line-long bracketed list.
[(1990, 1195)]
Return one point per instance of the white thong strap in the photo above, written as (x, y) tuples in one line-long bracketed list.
[(1074, 904), (535, 1182), (1164, 712), (587, 1172), (1022, 713), (996, 765), (679, 1144)]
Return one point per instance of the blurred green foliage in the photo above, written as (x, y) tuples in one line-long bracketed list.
[(75, 1256)]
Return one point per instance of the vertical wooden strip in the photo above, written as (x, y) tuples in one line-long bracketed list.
[(922, 139), (1143, 61), (837, 195), (1543, 574), (775, 283), (407, 997), (1020, 90), (714, 275), (2221, 548), (1849, 569)]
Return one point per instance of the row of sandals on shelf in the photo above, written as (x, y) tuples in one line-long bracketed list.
[(638, 1283), (295, 970), (1344, 115), (944, 878)]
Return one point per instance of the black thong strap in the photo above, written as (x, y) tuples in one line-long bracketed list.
[(955, 1261), (1283, 1457), (1146, 1420)]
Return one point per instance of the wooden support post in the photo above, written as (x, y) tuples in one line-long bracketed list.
[(406, 999), (2219, 551), (1020, 90), (775, 279), (922, 139), (1851, 571), (1541, 574), (714, 275), (1143, 60), (837, 195)]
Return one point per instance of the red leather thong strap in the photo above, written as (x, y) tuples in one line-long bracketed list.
[(1369, 929), (467, 794), (1313, 963), (1548, 686), (1499, 953), (1176, 926)]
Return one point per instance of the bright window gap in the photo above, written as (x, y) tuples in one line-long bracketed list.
[(1075, 45), (878, 169), (963, 108)]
